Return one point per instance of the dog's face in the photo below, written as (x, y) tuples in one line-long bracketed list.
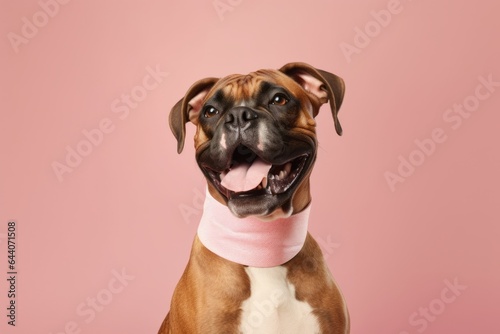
[(255, 139)]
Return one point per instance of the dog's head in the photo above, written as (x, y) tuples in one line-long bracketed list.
[(255, 138)]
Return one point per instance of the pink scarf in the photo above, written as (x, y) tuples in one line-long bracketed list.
[(251, 241)]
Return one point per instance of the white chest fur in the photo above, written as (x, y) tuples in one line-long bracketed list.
[(272, 307)]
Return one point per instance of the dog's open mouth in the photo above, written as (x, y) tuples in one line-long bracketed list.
[(249, 175)]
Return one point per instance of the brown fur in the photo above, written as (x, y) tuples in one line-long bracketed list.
[(308, 272), (209, 295), (210, 292)]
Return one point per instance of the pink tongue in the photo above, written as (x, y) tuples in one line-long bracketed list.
[(246, 176)]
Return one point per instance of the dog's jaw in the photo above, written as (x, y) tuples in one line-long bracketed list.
[(274, 196), (268, 208)]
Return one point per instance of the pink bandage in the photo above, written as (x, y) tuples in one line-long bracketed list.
[(251, 241)]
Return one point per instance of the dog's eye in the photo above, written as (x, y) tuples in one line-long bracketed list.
[(210, 111), (279, 99)]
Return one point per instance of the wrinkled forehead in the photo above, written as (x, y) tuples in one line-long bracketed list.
[(240, 87)]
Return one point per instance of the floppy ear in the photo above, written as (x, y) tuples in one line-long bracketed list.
[(327, 87), (188, 109)]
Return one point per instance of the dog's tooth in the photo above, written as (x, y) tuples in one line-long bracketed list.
[(282, 175), (264, 182), (288, 167)]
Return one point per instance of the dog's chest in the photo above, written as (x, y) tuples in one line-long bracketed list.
[(272, 307)]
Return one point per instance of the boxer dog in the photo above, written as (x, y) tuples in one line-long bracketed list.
[(253, 267)]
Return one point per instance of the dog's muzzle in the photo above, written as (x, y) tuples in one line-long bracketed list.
[(252, 160)]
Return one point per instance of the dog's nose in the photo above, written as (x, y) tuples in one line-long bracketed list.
[(240, 118)]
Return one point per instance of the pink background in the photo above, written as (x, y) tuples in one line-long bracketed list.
[(390, 251)]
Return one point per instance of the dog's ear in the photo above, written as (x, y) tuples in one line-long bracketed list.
[(188, 109), (327, 87)]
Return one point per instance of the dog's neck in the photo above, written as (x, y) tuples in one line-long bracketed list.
[(251, 241)]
